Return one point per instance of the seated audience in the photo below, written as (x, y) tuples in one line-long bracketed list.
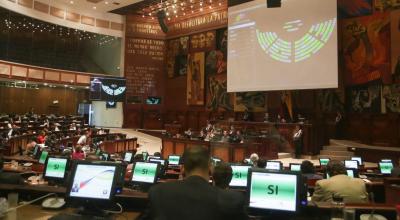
[(41, 139), (254, 159), (78, 154), (194, 198), (9, 178), (352, 190), (308, 170), (237, 137), (222, 175), (225, 136)]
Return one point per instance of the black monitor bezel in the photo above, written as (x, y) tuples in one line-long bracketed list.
[(319, 160), (55, 178), (290, 167), (358, 164), (262, 170), (94, 163), (361, 162), (144, 183), (132, 156), (380, 170), (180, 159), (274, 161), (239, 165)]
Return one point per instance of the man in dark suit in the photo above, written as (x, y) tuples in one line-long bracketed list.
[(194, 198), (9, 178)]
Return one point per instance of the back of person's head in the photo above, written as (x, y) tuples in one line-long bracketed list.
[(222, 175), (261, 163), (196, 158), (138, 157), (78, 149), (254, 158), (335, 167), (307, 167), (157, 154)]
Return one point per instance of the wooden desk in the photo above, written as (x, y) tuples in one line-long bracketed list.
[(36, 212), (20, 159)]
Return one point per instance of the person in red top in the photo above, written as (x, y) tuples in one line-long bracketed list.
[(78, 154), (41, 138)]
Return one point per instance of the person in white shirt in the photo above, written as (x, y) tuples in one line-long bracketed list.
[(83, 139), (298, 141)]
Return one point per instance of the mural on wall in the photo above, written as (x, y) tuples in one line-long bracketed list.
[(222, 50), (202, 42), (395, 48), (330, 100), (391, 98), (354, 8), (250, 101), (384, 5), (211, 62), (217, 97), (177, 56), (195, 79), (366, 48), (365, 98)]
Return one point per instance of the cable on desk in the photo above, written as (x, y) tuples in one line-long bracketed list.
[(115, 212), (30, 202)]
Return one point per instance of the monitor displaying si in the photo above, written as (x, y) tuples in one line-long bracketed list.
[(295, 167), (43, 157), (274, 190), (55, 168), (351, 164), (145, 172), (359, 159), (273, 165), (155, 160), (128, 157), (324, 161), (385, 167), (92, 180), (239, 176), (174, 160)]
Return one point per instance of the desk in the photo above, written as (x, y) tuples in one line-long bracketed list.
[(21, 159), (36, 212)]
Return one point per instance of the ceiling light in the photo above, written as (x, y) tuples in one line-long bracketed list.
[(94, 7), (106, 2), (71, 2)]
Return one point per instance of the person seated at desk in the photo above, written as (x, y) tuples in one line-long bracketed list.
[(261, 163), (254, 159), (352, 190), (78, 154), (188, 133), (41, 138), (237, 137), (225, 137), (83, 138), (308, 171), (193, 198), (30, 145), (222, 175), (72, 127), (8, 177)]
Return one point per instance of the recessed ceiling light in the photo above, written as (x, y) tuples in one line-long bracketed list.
[(71, 2), (106, 2), (94, 7)]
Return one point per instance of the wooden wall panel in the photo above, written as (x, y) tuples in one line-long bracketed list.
[(18, 100), (5, 69), (19, 71), (179, 148)]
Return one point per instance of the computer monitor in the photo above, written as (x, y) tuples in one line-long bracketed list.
[(239, 175), (43, 157), (359, 159), (105, 156), (145, 155), (98, 151), (386, 160), (55, 168), (145, 172), (295, 167), (174, 160), (385, 167), (273, 165), (128, 156), (36, 150), (323, 161), (352, 173), (92, 181), (155, 160), (153, 157), (351, 164), (271, 190)]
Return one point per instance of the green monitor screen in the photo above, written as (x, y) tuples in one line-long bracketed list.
[(43, 157), (386, 167), (324, 161), (273, 191), (174, 160), (98, 151), (295, 167), (350, 173), (239, 176), (56, 167), (145, 172)]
